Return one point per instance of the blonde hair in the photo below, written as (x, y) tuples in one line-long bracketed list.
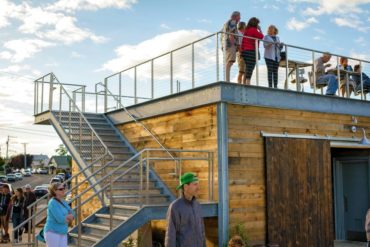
[(52, 189), (241, 25), (274, 28)]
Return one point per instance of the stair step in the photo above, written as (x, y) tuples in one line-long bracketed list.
[(86, 240), (104, 219), (138, 199), (130, 191), (96, 230)]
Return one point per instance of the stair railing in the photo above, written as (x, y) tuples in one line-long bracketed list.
[(73, 107), (141, 124), (143, 162)]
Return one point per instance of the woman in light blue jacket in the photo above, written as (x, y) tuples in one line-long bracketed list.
[(59, 215), (273, 48)]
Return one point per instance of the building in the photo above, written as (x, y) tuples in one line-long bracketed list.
[(39, 161), (287, 163), (60, 162)]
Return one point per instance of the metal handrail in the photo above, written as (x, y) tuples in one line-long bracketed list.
[(140, 123)]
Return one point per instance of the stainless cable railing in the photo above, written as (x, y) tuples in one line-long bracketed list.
[(142, 161)]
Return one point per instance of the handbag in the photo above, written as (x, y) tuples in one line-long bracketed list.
[(40, 237)]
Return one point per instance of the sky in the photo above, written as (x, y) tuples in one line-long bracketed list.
[(83, 41)]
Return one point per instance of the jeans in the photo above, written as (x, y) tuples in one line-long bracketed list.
[(331, 81), (17, 219), (272, 71)]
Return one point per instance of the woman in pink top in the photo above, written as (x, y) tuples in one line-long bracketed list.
[(248, 47)]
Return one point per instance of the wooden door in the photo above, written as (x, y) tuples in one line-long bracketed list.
[(299, 192)]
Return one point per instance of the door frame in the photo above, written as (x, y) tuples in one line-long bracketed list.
[(338, 190)]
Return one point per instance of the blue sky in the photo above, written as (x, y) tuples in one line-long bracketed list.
[(85, 40)]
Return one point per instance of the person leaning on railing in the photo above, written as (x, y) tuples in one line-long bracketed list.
[(273, 48), (59, 215), (249, 47), (322, 78), (230, 42)]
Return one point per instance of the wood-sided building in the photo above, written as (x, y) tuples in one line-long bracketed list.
[(289, 166)]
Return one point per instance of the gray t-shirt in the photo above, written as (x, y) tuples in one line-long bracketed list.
[(320, 67), (185, 224)]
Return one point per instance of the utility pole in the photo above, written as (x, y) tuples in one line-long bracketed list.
[(25, 154), (7, 149)]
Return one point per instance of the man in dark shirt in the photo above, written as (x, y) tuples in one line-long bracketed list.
[(30, 198), (185, 223), (5, 212)]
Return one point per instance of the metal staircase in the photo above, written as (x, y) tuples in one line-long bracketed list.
[(111, 172)]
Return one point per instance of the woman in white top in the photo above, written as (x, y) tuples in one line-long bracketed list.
[(272, 54)]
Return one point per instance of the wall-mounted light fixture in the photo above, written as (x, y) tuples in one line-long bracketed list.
[(364, 140)]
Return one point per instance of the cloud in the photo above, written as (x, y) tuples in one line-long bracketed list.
[(128, 55), (335, 7), (165, 26), (351, 22), (317, 38), (293, 24), (206, 21), (359, 55), (21, 49), (361, 41), (75, 54), (91, 5)]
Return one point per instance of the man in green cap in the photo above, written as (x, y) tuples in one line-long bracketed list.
[(185, 226)]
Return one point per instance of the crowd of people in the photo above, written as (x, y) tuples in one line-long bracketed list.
[(14, 207), (240, 42)]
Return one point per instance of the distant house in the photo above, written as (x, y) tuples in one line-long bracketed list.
[(60, 162), (39, 161)]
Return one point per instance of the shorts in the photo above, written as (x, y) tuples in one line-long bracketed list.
[(351, 83), (4, 221), (230, 54), (241, 63)]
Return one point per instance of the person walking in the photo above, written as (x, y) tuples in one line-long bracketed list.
[(185, 226), (273, 48), (18, 213), (5, 199), (230, 42), (59, 215), (29, 198), (251, 34)]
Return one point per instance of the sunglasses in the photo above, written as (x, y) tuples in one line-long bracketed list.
[(61, 189)]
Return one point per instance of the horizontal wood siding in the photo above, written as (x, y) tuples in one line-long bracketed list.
[(194, 129), (247, 181)]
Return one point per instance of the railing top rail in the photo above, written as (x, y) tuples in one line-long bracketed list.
[(216, 33)]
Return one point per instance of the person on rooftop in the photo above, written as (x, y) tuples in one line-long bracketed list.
[(343, 79), (185, 226), (251, 34), (324, 78), (357, 79), (241, 63), (230, 42), (273, 48)]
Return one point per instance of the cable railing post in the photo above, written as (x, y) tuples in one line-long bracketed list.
[(313, 72), (192, 66), (105, 95), (152, 78), (135, 85), (119, 88), (338, 76), (171, 71), (110, 203), (141, 179), (42, 95), (29, 226), (257, 67), (286, 68), (34, 227), (147, 167), (83, 98), (70, 119), (361, 81), (35, 99), (217, 59), (79, 217)]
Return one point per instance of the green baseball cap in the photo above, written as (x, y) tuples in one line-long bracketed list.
[(187, 178)]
